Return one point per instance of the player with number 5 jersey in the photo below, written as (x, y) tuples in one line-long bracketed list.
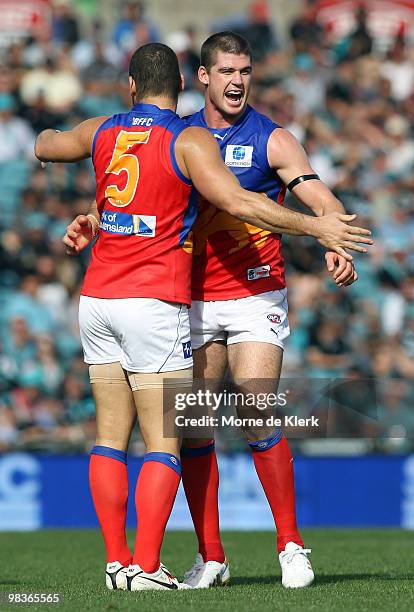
[(143, 248)]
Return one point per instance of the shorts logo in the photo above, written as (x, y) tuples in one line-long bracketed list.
[(274, 318), (174, 460), (239, 156), (256, 273), (187, 350), (144, 225)]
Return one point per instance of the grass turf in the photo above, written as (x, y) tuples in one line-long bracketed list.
[(355, 570)]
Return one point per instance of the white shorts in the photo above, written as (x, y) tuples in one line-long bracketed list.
[(143, 334), (257, 318)]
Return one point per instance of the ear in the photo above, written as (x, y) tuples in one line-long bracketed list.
[(203, 75), (132, 87), (182, 85)]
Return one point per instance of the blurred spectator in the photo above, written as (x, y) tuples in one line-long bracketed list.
[(305, 31), (16, 136), (60, 88), (399, 71), (134, 29), (306, 85), (360, 40), (181, 43), (65, 28), (259, 30)]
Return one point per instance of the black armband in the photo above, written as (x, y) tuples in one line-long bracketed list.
[(302, 179)]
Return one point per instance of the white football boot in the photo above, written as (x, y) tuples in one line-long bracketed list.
[(296, 568), (206, 575), (161, 580), (115, 576)]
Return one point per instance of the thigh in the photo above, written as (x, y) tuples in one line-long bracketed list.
[(154, 335), (210, 361), (115, 408), (255, 361)]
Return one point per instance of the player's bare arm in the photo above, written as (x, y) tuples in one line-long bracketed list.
[(71, 146), (287, 156), (199, 159)]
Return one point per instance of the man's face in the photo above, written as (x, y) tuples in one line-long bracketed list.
[(228, 82)]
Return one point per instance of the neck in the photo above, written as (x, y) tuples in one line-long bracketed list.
[(216, 119), (160, 101)]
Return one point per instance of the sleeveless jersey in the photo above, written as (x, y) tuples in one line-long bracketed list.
[(233, 259), (147, 208)]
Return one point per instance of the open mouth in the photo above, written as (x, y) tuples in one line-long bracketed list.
[(234, 95)]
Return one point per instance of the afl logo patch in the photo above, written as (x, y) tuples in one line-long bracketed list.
[(174, 460), (274, 318)]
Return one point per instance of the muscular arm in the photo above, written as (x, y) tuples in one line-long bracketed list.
[(288, 158), (199, 158), (71, 146)]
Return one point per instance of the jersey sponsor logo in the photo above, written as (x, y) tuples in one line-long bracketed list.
[(256, 273), (128, 225), (187, 350), (144, 225), (239, 156), (274, 318)]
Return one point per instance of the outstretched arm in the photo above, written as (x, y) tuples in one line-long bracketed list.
[(70, 146), (199, 159)]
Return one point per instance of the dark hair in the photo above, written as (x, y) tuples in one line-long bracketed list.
[(155, 71), (227, 42)]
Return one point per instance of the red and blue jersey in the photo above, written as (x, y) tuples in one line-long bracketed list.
[(233, 259), (147, 208)]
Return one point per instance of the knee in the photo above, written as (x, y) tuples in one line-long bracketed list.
[(111, 442)]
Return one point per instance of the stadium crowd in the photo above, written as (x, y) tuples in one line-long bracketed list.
[(349, 102)]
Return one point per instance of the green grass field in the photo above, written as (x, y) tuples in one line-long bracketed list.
[(355, 570)]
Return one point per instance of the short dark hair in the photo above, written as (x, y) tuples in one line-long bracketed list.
[(155, 71), (227, 42)]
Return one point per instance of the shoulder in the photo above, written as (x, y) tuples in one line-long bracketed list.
[(95, 124), (193, 134), (284, 148), (282, 137)]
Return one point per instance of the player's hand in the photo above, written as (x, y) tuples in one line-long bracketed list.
[(343, 271), (79, 234), (335, 234)]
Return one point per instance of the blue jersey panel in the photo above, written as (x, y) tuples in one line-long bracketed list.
[(244, 150)]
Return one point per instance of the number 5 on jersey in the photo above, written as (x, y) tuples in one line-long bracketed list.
[(127, 162)]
